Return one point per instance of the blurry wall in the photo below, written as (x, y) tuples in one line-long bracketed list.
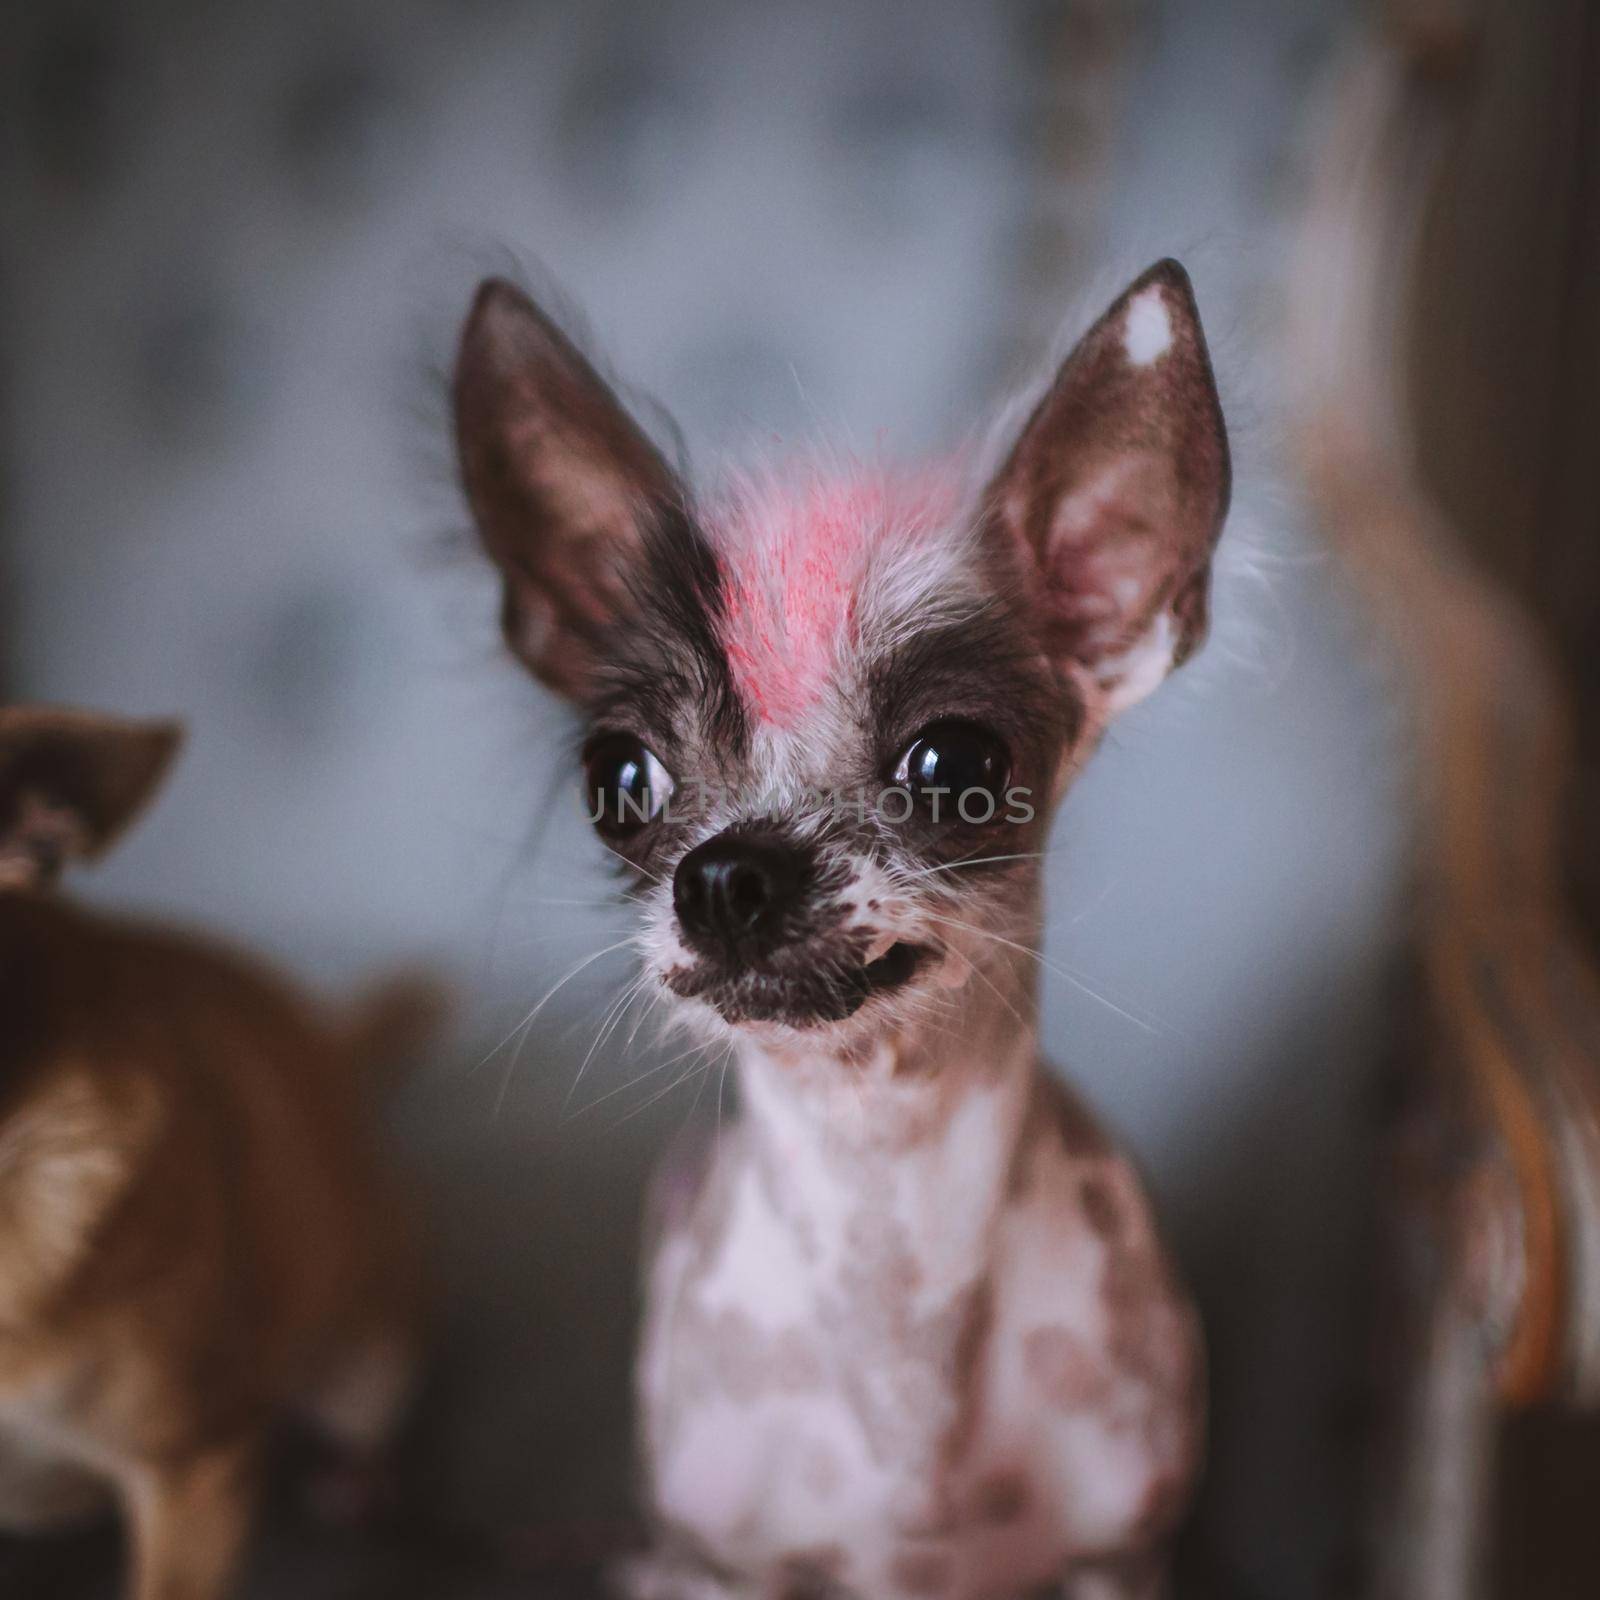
[(237, 239)]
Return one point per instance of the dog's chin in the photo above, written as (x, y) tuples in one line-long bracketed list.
[(808, 991)]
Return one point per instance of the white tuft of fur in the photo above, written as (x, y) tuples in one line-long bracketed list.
[(1141, 669), (1147, 329)]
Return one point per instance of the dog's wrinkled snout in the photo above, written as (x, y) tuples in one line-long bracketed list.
[(735, 893)]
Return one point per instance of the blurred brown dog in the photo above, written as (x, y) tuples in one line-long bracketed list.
[(193, 1231)]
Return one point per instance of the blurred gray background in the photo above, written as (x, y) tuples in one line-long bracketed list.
[(236, 241)]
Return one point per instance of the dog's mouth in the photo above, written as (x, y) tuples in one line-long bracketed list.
[(803, 988)]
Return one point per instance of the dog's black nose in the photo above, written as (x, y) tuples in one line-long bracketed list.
[(734, 893)]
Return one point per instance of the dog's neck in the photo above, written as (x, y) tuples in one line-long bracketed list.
[(905, 1151)]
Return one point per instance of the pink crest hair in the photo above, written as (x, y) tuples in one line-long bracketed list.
[(797, 548)]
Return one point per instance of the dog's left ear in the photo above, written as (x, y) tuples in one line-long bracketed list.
[(70, 782), (1113, 497), (564, 485)]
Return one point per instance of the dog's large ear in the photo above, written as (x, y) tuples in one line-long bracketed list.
[(70, 782), (563, 484), (1113, 496)]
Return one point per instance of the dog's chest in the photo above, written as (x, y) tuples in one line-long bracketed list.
[(880, 1386)]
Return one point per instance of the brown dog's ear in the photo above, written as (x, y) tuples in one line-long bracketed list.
[(563, 484), (1114, 495), (70, 782)]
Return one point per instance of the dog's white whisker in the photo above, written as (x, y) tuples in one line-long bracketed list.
[(994, 988), (681, 1079), (652, 1002), (1059, 971), (722, 1083), (608, 1022), (972, 861), (604, 902), (544, 1000), (553, 936), (631, 1083)]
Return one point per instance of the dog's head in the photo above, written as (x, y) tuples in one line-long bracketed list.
[(70, 782), (828, 713)]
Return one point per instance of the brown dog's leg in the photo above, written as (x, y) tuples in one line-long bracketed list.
[(358, 1406), (188, 1523), (1132, 1578), (41, 1492), (361, 1398)]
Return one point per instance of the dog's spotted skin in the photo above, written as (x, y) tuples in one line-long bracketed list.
[(927, 1346)]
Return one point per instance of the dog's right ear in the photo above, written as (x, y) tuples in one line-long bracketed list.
[(70, 782), (1113, 497), (563, 484)]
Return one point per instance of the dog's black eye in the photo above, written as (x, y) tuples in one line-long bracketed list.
[(956, 770), (628, 786)]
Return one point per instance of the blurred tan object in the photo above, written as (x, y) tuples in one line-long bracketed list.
[(193, 1230), (1495, 1280)]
